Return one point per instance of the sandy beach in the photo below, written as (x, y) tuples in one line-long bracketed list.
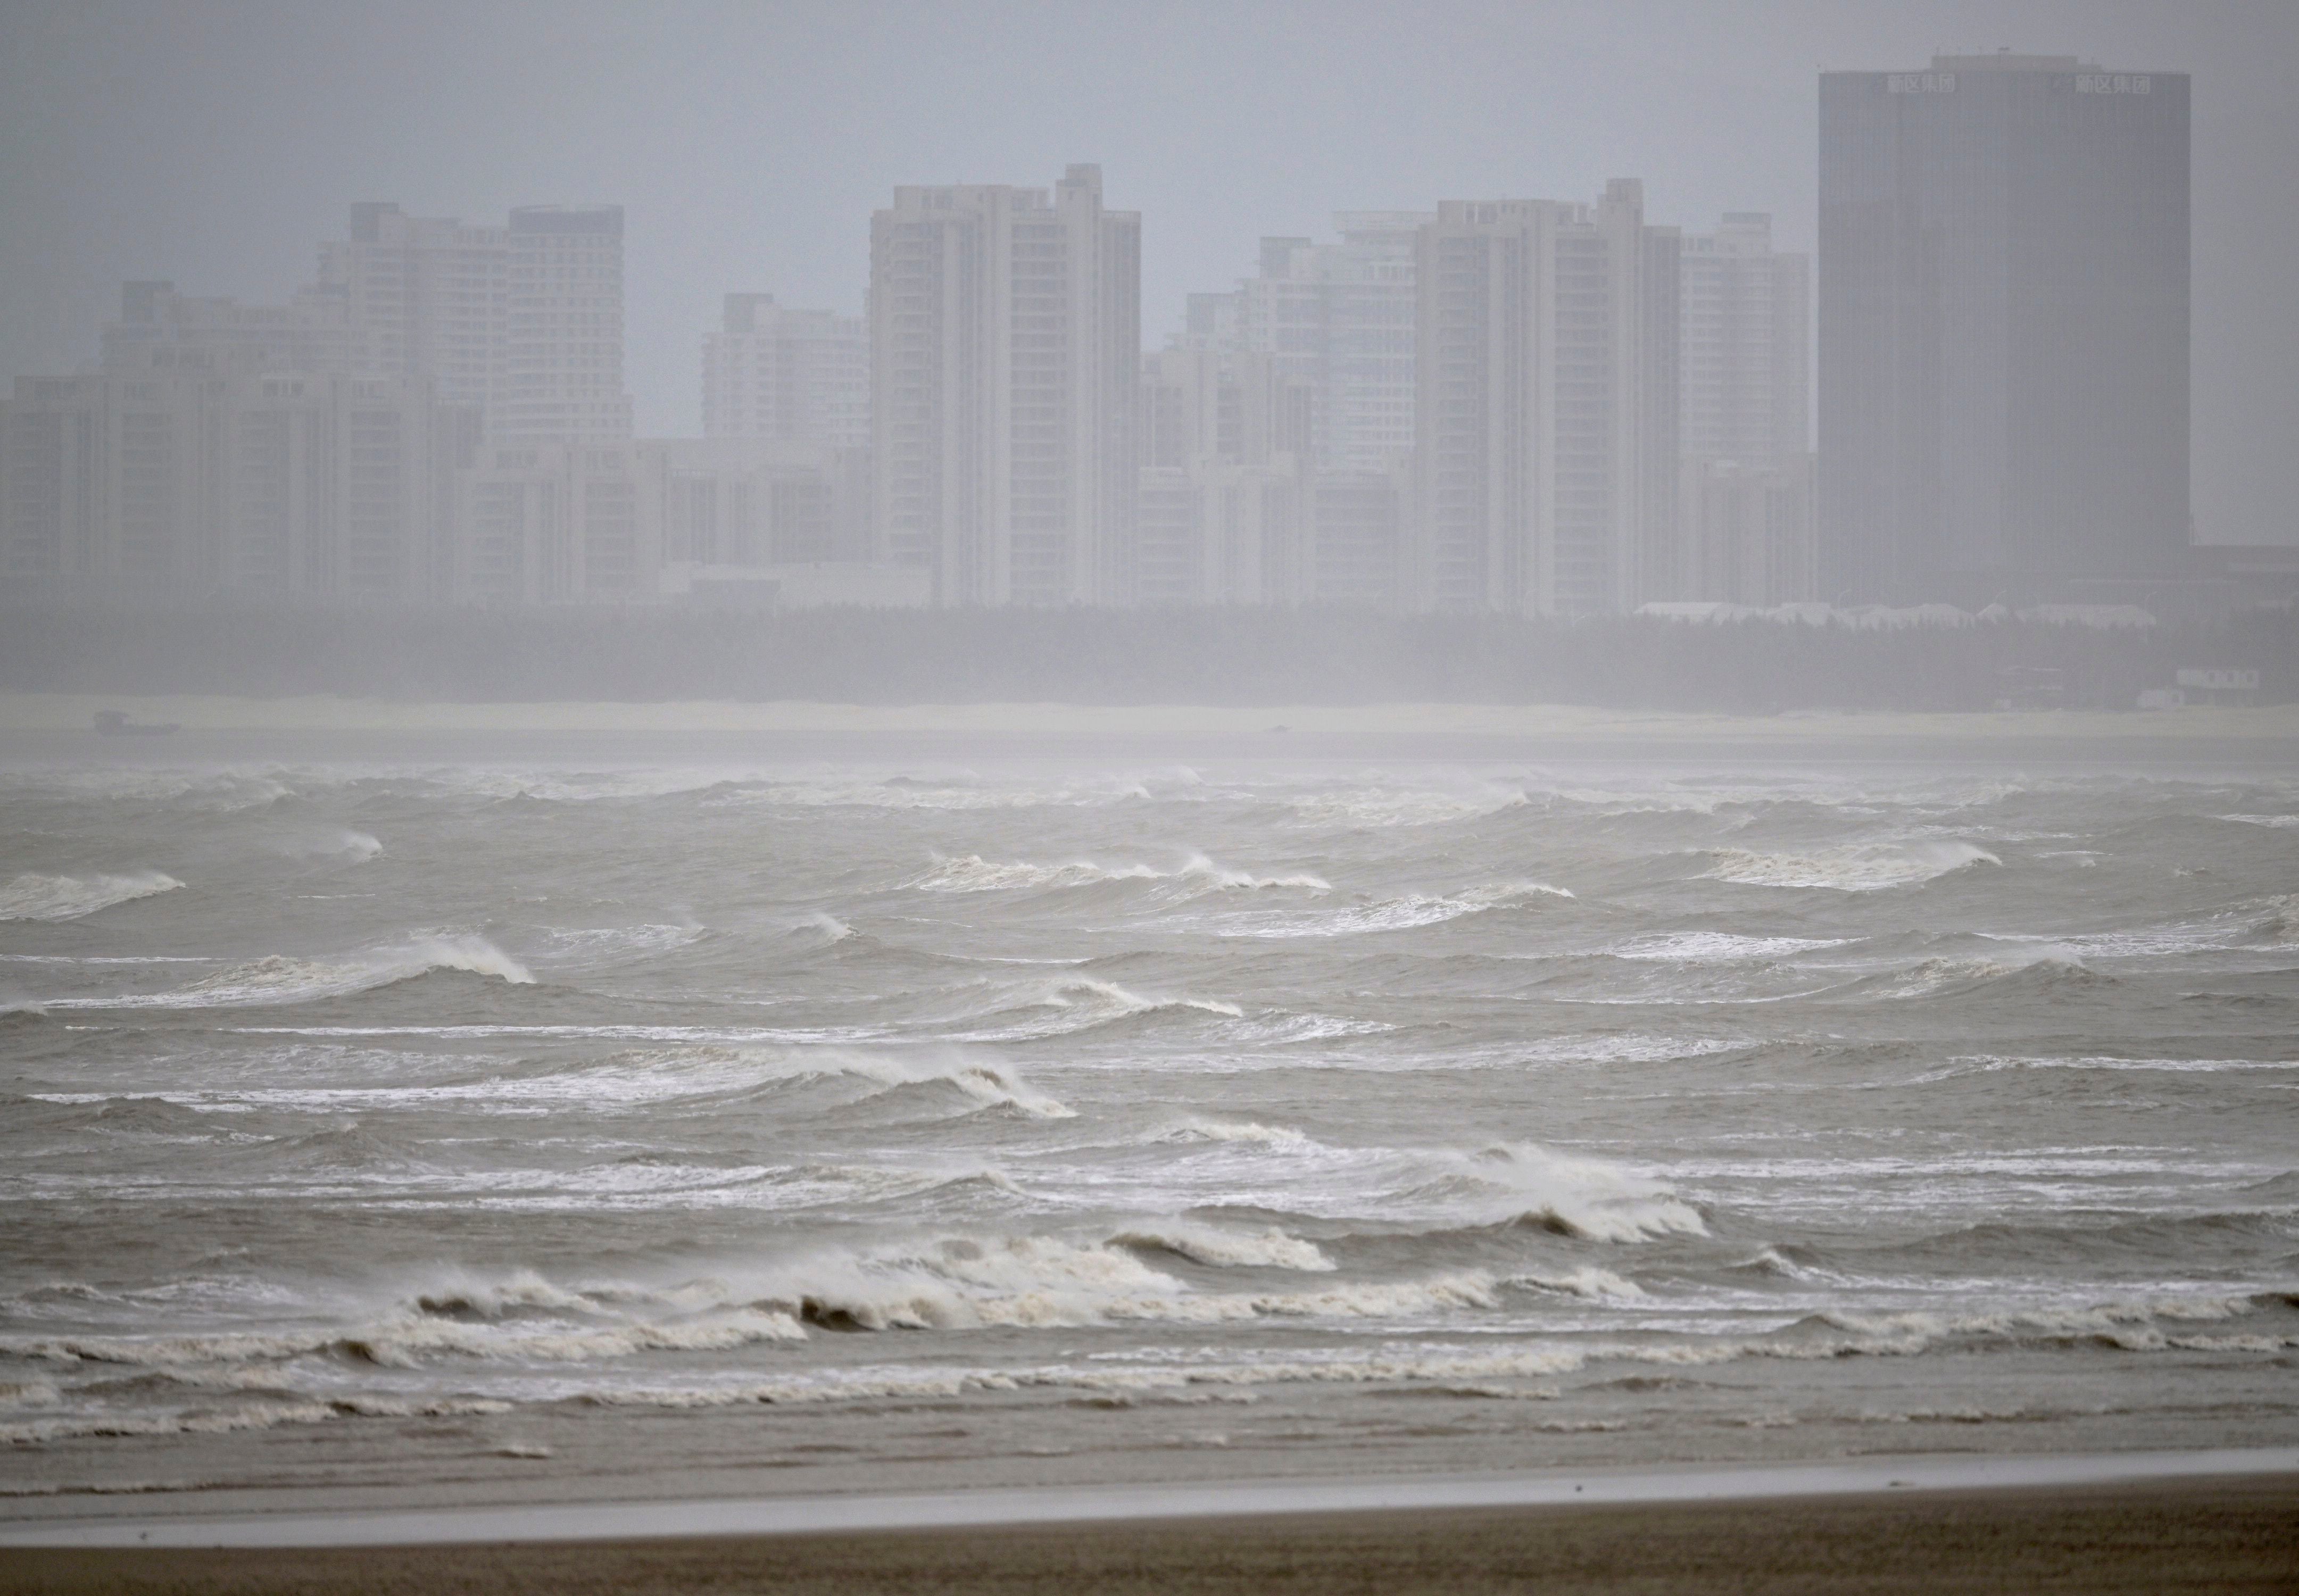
[(2239, 1534), (2262, 728)]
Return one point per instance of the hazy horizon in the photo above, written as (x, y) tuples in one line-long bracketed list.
[(216, 145)]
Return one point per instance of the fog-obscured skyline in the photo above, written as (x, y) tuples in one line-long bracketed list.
[(216, 145)]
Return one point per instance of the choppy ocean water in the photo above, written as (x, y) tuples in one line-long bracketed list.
[(381, 1112)]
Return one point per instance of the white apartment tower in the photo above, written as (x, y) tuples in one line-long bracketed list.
[(1546, 415), (1747, 345), (526, 321), (560, 377), (790, 376), (1746, 373), (1341, 315), (176, 484), (1005, 349), (231, 448), (1225, 442), (428, 296)]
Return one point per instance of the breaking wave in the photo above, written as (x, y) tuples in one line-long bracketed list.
[(1525, 1184), (1197, 1129), (1589, 1281), (727, 1074), (68, 897), (1025, 1281), (1867, 867), (2045, 971), (280, 979), (983, 1083), (1202, 1243), (1402, 913), (971, 873), (1084, 1003)]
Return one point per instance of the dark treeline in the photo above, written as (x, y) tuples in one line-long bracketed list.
[(1202, 656)]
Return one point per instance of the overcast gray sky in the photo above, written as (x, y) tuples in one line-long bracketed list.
[(215, 143)]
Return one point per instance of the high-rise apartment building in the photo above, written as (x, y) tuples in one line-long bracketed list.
[(1745, 358), (546, 523), (175, 484), (1005, 350), (1224, 443), (790, 376), (2003, 327), (526, 321), (161, 330), (1547, 417), (560, 377), (229, 448), (1745, 372), (428, 297), (1341, 317), (748, 503)]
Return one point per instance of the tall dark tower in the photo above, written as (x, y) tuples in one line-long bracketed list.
[(2002, 328)]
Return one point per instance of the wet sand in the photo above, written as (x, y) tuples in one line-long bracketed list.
[(2237, 1534)]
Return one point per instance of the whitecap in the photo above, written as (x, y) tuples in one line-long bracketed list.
[(1396, 914), (1866, 867), (68, 897), (1270, 1248), (280, 978)]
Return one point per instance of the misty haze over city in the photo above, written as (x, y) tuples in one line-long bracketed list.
[(1220, 797)]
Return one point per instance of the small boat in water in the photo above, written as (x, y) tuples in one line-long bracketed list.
[(115, 723)]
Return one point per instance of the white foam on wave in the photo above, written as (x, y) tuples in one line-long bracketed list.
[(2277, 822), (1522, 1183), (2131, 1325), (1083, 1002), (1270, 1248), (68, 897), (1198, 868), (1088, 993), (1857, 868), (613, 943), (1197, 1128), (1401, 806), (1588, 1282), (340, 842), (639, 1080), (412, 1337), (963, 1284), (971, 873), (1632, 1047), (2048, 962), (1038, 1281), (1720, 947), (988, 1084), (943, 793), (2278, 924), (1403, 913), (1990, 1064), (280, 978), (27, 1393)]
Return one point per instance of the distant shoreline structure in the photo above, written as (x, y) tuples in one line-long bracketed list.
[(1700, 662)]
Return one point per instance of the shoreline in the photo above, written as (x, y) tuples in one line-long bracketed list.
[(2238, 1533), (2259, 728), (312, 1526)]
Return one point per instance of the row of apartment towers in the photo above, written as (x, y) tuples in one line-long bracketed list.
[(1521, 405)]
